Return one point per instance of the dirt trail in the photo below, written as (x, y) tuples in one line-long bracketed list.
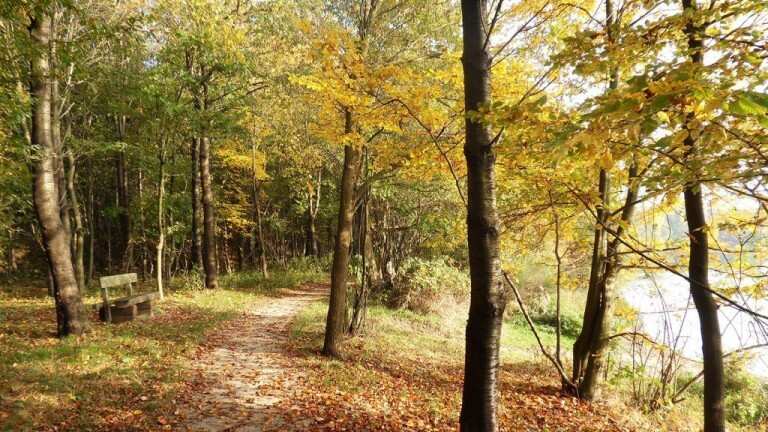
[(242, 371)]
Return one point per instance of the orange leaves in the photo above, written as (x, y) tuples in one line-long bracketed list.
[(393, 390)]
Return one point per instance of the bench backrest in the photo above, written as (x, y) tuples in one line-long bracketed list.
[(118, 280), (115, 281)]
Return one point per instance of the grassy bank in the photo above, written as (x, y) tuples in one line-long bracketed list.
[(405, 373)]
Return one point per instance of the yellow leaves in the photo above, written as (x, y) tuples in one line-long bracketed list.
[(633, 133), (606, 160), (707, 106), (308, 81), (240, 159), (679, 138)]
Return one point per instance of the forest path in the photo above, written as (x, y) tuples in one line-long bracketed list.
[(243, 370)]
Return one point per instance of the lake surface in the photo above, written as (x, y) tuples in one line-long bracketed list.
[(667, 314)]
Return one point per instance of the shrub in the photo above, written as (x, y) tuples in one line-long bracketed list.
[(427, 285), (542, 307), (746, 397), (192, 280)]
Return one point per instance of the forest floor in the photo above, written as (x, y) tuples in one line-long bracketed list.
[(262, 372), (246, 358), (405, 374)]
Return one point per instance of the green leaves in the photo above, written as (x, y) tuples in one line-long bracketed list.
[(749, 103)]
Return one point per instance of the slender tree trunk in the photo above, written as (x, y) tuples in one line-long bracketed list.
[(91, 231), (589, 387), (487, 299), (56, 141), (258, 234), (125, 247), (210, 263), (310, 247), (78, 242), (370, 274), (142, 225), (336, 321), (10, 257), (70, 316), (160, 219), (582, 347), (585, 378), (313, 206), (197, 215), (698, 263)]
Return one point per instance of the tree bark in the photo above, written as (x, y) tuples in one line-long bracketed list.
[(336, 321), (70, 316), (78, 242), (698, 263), (258, 235), (597, 343), (160, 219), (588, 346), (210, 263), (125, 248), (197, 216), (369, 272), (91, 231), (487, 299), (310, 247), (583, 343), (10, 257), (313, 205)]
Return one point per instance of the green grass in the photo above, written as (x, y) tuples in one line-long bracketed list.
[(414, 334)]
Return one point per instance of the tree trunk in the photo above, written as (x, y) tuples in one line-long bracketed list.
[(258, 234), (197, 216), (210, 263), (336, 321), (70, 316), (125, 248), (91, 231), (77, 216), (589, 386), (370, 274), (595, 320), (313, 206), (698, 263), (160, 219), (10, 252), (56, 141), (142, 224), (310, 247), (487, 300)]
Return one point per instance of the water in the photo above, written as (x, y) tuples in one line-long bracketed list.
[(667, 315)]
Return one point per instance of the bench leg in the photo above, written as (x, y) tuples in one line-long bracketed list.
[(144, 309), (123, 314)]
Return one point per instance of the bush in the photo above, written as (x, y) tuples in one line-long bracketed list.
[(297, 272), (542, 307), (427, 285), (746, 397), (192, 280), (570, 322)]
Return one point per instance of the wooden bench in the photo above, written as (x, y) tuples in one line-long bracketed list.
[(124, 308)]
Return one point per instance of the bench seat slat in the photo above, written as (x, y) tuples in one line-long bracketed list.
[(136, 299)]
